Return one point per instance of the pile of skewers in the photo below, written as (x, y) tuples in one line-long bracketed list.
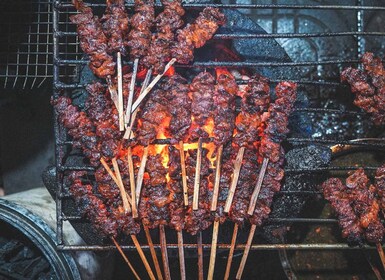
[(180, 155)]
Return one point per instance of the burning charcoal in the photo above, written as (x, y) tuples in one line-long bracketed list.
[(290, 206)]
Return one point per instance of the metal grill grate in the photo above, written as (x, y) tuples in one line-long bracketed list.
[(67, 65), (26, 43)]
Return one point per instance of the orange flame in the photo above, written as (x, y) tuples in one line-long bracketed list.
[(170, 72), (222, 70)]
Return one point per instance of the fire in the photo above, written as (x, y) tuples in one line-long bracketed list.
[(209, 127), (162, 131), (170, 72), (141, 74), (160, 150), (222, 70), (210, 155)]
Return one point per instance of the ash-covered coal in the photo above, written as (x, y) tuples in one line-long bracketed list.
[(290, 205)]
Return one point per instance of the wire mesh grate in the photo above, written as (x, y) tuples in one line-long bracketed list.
[(69, 62), (26, 48)]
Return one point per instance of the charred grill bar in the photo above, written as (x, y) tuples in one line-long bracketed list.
[(62, 141)]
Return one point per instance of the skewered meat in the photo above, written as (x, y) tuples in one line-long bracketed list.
[(156, 197), (368, 86), (176, 206), (225, 181), (201, 219), (154, 119), (196, 35), (141, 23), (80, 127), (167, 22), (93, 41), (224, 104), (276, 120), (91, 205), (255, 101), (335, 192), (179, 106), (104, 116), (202, 91), (246, 182), (365, 205), (115, 25)]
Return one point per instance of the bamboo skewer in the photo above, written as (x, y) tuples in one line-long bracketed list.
[(234, 182), (257, 189), (374, 268), (132, 183), (153, 253), (125, 197), (139, 179), (182, 265), (246, 252), (214, 201), (120, 91), (151, 85), (200, 256), (125, 258), (143, 257), (163, 247), (231, 253), (184, 175), (380, 251), (213, 252), (128, 134), (197, 181), (121, 185), (131, 92), (113, 93)]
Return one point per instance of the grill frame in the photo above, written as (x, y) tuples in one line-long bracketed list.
[(360, 35), (27, 61)]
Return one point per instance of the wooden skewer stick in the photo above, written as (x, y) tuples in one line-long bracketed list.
[(231, 253), (184, 174), (120, 92), (125, 197), (153, 253), (214, 201), (146, 80), (151, 85), (143, 257), (380, 251), (197, 176), (132, 183), (125, 258), (200, 256), (113, 93), (163, 248), (139, 179), (121, 185), (374, 268), (234, 182), (182, 265), (129, 134), (246, 252), (213, 252), (257, 189), (131, 92)]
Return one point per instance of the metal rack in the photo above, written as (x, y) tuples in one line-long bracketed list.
[(66, 63), (26, 43)]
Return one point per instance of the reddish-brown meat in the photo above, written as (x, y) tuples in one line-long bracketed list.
[(196, 35), (115, 25), (93, 41)]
